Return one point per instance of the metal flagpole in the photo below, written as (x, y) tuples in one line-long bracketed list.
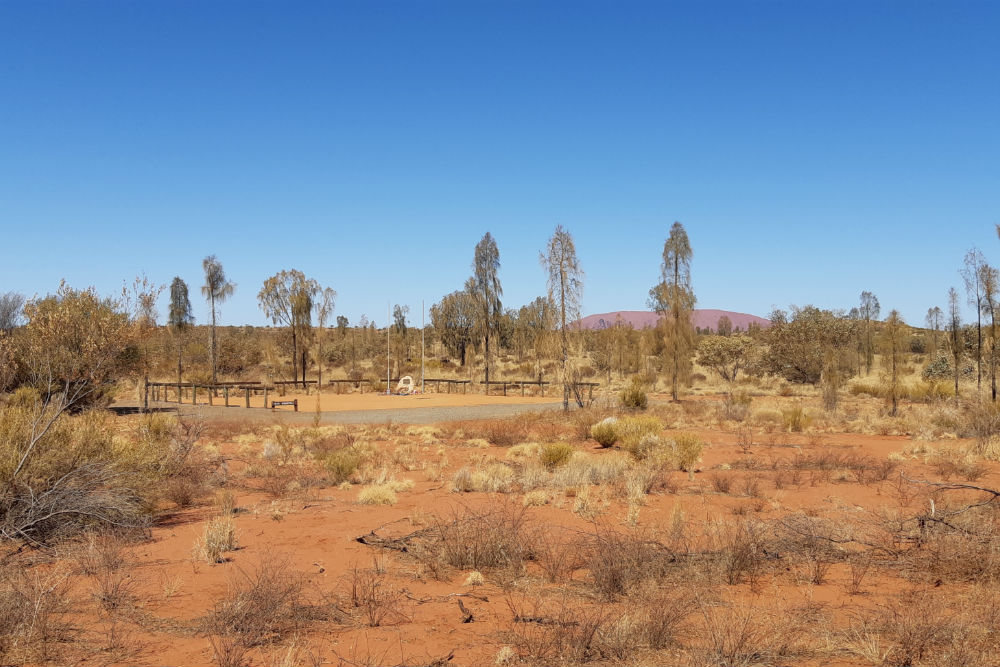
[(388, 377), (422, 325)]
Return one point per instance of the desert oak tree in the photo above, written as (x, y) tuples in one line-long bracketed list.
[(484, 287), (674, 300), (565, 286), (179, 317)]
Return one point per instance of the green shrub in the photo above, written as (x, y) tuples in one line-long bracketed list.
[(939, 368), (555, 454), (342, 464), (687, 451), (634, 395), (604, 432), (631, 431)]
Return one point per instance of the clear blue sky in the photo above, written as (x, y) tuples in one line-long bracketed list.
[(811, 149)]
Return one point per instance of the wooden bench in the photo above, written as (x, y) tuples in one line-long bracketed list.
[(294, 403)]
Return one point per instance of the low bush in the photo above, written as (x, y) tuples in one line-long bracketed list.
[(378, 494), (605, 432), (632, 430), (261, 606), (634, 396), (795, 418), (555, 454), (687, 451), (483, 539), (218, 538), (503, 432), (342, 464)]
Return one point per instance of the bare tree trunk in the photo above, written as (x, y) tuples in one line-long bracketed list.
[(295, 356), (214, 376)]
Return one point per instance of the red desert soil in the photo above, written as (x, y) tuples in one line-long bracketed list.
[(314, 532)]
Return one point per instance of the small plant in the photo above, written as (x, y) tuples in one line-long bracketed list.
[(372, 597), (377, 494), (721, 483), (260, 607), (632, 430), (736, 405), (342, 464), (555, 454), (634, 396), (687, 452), (219, 537), (604, 432), (795, 418)]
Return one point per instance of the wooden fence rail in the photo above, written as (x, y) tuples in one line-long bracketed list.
[(159, 391)]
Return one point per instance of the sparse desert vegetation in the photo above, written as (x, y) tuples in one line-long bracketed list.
[(820, 490)]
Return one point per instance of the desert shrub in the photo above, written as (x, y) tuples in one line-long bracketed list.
[(559, 553), (76, 345), (795, 418), (494, 478), (61, 473), (982, 422), (767, 418), (105, 559), (342, 464), (371, 595), (547, 634), (742, 551), (743, 635), (36, 614), (687, 451), (631, 430), (583, 421), (377, 494), (939, 368), (634, 396), (618, 561), (483, 539), (650, 447), (218, 538), (260, 607), (503, 432), (605, 432), (736, 405), (722, 483), (555, 454)]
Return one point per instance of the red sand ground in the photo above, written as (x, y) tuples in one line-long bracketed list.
[(315, 532)]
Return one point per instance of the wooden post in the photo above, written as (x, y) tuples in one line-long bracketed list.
[(145, 395), (295, 404), (522, 389), (504, 388), (179, 394), (227, 395), (248, 396), (265, 397), (194, 394)]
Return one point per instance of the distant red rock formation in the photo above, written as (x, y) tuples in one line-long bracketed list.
[(707, 318)]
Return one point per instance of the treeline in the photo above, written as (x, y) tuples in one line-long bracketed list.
[(471, 332)]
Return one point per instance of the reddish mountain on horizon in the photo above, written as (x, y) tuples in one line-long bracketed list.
[(703, 318)]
